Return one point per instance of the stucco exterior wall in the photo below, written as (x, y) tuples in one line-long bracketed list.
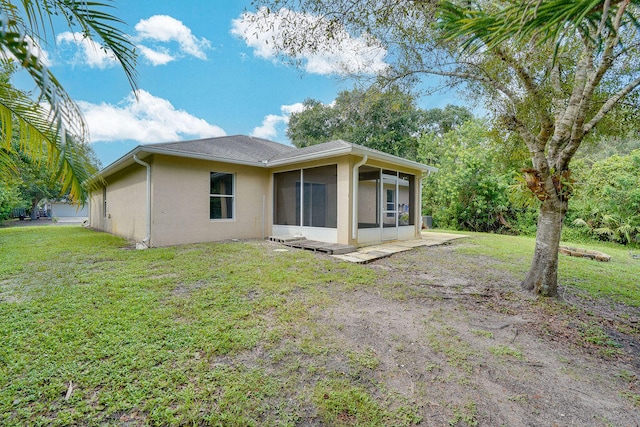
[(180, 194), (126, 204), (181, 202)]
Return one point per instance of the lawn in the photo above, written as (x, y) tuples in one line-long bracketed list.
[(94, 332), (146, 331), (617, 280)]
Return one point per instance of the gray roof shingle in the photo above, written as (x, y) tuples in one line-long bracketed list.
[(325, 147), (236, 147), (248, 150)]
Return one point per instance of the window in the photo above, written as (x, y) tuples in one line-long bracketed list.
[(221, 196), (406, 198), (286, 209), (308, 197), (104, 202), (320, 207), (391, 202), (397, 193)]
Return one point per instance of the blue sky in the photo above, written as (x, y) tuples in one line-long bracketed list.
[(202, 71)]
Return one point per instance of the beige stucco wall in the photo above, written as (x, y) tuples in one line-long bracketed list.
[(181, 202), (126, 204)]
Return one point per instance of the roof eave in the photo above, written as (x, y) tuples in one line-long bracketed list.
[(310, 157), (127, 160), (362, 151), (378, 155)]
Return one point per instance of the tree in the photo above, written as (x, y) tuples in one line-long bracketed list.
[(552, 104), (549, 70), (54, 129), (315, 124), (469, 190), (385, 119), (443, 120)]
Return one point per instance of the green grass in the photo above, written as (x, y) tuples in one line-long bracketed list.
[(94, 332), (506, 352), (616, 279), (147, 336)]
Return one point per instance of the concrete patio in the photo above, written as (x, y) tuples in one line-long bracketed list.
[(367, 254)]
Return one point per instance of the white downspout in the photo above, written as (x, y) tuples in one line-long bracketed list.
[(354, 208), (146, 241), (264, 220)]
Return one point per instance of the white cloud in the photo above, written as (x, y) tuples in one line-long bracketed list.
[(165, 29), (151, 39), (269, 127), (298, 107), (149, 119), (339, 54), (155, 57), (90, 53)]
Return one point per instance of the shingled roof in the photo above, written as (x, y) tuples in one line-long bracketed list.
[(239, 148), (248, 150)]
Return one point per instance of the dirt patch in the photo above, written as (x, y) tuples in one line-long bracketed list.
[(455, 336)]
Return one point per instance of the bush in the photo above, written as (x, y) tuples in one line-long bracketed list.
[(9, 199), (606, 205), (467, 192)]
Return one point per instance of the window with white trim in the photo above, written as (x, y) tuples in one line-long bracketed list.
[(221, 195)]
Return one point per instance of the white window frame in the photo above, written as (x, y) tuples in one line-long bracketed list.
[(232, 196)]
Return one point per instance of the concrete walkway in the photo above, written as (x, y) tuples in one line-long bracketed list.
[(371, 253)]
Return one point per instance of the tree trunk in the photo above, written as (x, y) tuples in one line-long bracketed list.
[(34, 209), (542, 278)]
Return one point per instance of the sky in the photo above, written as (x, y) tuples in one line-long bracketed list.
[(203, 71)]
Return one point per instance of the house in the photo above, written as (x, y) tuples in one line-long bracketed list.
[(65, 209), (244, 187)]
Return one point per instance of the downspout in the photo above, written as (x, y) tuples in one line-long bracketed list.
[(354, 209), (146, 241), (264, 210)]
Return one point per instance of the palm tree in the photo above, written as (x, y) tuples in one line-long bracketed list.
[(51, 126)]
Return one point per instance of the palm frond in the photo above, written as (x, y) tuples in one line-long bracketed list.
[(43, 142), (539, 20), (92, 18), (7, 165), (57, 131), (94, 21)]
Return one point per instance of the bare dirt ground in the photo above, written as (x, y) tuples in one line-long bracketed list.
[(457, 338)]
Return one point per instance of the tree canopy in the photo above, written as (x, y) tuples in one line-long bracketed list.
[(385, 119)]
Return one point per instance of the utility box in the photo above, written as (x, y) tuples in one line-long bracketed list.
[(427, 222)]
